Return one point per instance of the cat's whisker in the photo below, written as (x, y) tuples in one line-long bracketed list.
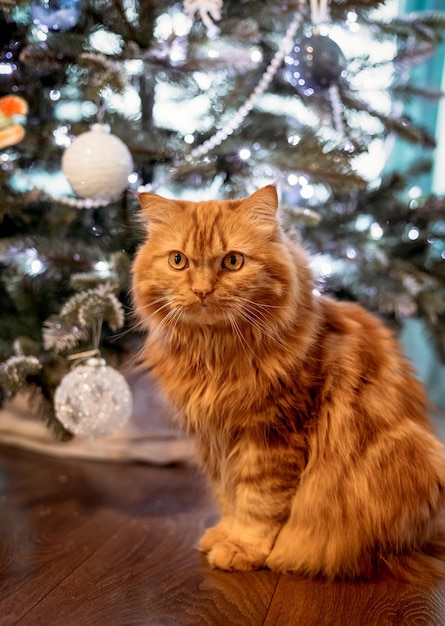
[(136, 359), (155, 330), (135, 326), (252, 313), (252, 318), (175, 317), (170, 320), (125, 332), (159, 328), (151, 304), (261, 305), (237, 331), (149, 317)]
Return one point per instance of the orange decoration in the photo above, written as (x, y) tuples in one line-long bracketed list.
[(11, 133), (13, 105)]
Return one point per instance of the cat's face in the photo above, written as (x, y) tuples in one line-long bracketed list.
[(211, 263)]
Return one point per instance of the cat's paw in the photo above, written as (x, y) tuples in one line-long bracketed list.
[(228, 555), (211, 536)]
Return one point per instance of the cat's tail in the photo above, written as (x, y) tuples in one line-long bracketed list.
[(425, 566)]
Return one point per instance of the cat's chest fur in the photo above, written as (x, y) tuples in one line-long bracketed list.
[(221, 389), (238, 406), (209, 380)]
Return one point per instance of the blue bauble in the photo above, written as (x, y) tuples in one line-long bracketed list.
[(57, 15), (315, 63)]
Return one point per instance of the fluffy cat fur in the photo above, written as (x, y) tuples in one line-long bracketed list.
[(307, 419)]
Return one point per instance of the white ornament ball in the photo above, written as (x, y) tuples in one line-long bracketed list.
[(97, 164), (93, 400)]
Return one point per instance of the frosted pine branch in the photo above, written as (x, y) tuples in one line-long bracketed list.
[(89, 307), (80, 314), (14, 373), (61, 335)]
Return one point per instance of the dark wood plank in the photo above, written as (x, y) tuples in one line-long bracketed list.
[(384, 603), (150, 572), (46, 530), (141, 565), (165, 583)]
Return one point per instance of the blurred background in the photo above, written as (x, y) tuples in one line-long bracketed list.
[(340, 102)]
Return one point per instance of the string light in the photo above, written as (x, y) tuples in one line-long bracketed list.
[(376, 231), (238, 117), (413, 233), (244, 154)]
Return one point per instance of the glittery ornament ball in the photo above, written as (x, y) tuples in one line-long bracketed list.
[(315, 63), (97, 164), (93, 400)]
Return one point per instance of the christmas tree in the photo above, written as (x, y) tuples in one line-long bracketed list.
[(206, 99)]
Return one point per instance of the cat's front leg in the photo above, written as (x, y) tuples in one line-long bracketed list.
[(244, 540), (254, 502), (245, 548), (223, 528), (216, 534)]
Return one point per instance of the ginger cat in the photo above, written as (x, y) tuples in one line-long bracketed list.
[(307, 419)]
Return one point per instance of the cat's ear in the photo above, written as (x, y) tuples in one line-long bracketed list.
[(262, 207), (156, 208), (265, 201)]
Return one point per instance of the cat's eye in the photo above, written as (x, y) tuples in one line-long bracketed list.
[(233, 261), (177, 260)]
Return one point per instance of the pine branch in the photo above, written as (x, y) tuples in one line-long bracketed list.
[(101, 72), (230, 57), (401, 125), (113, 16), (81, 313), (14, 250), (7, 6), (433, 208), (90, 280), (41, 60), (351, 5), (426, 25), (332, 165), (408, 92), (410, 55), (95, 305), (61, 334), (15, 373), (43, 406)]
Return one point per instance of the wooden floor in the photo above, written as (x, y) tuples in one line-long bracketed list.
[(92, 544)]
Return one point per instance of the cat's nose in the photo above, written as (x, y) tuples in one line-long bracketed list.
[(202, 293), (203, 283)]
